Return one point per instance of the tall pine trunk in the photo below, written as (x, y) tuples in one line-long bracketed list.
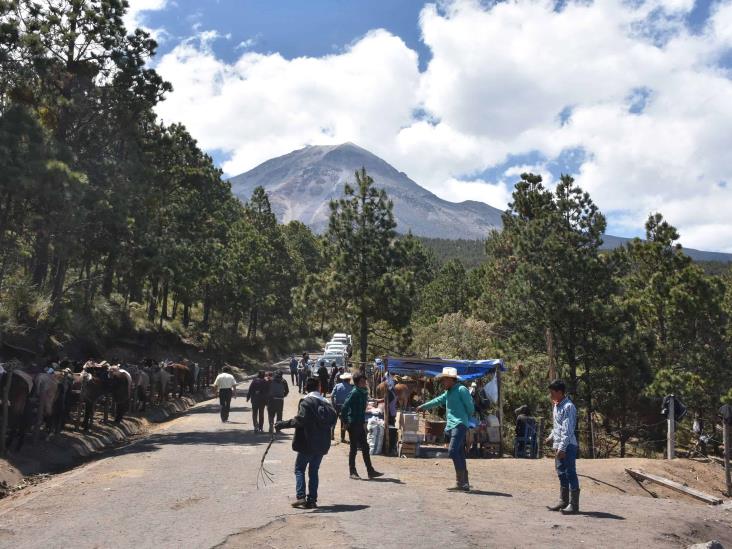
[(108, 280), (153, 300), (364, 338), (40, 258), (186, 315)]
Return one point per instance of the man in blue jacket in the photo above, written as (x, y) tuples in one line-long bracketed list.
[(313, 424), (460, 408)]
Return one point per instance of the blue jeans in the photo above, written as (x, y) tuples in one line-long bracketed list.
[(567, 469), (457, 447), (303, 461)]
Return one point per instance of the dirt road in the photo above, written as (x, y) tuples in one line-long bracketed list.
[(192, 483)]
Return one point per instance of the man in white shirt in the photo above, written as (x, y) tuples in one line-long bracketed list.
[(225, 385)]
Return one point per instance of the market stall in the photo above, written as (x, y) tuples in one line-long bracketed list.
[(414, 375)]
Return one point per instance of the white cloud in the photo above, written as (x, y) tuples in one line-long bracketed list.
[(498, 78), (135, 16)]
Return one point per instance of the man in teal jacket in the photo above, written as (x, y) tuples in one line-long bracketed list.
[(459, 404)]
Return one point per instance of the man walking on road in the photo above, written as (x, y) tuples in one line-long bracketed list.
[(338, 398), (302, 373), (293, 370), (278, 390), (258, 394), (313, 423), (354, 414), (225, 385), (565, 445), (459, 405), (323, 377)]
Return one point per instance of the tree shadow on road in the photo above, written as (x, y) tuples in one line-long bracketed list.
[(340, 508), (600, 515), (213, 408), (385, 479), (487, 493), (229, 437)]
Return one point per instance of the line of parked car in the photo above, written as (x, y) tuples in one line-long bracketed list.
[(338, 350)]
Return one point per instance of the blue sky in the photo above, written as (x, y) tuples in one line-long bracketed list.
[(630, 97)]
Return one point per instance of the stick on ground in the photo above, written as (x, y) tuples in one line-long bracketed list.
[(706, 498)]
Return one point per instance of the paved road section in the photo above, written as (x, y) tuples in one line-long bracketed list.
[(192, 484)]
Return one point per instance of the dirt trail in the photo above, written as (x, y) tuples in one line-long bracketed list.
[(192, 483)]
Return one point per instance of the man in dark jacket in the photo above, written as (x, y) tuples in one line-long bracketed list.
[(258, 394), (354, 414), (293, 369), (313, 423), (278, 390), (323, 377)]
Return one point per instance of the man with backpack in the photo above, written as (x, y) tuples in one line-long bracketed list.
[(259, 394), (278, 390), (313, 424)]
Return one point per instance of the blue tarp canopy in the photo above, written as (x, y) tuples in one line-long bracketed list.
[(430, 367)]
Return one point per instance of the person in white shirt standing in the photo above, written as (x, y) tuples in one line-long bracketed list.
[(225, 385), (565, 445)]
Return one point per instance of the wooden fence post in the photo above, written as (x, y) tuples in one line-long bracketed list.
[(671, 433), (540, 439), (727, 451)]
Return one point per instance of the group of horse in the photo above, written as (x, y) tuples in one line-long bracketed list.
[(44, 398)]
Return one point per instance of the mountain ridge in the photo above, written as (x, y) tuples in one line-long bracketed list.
[(301, 184)]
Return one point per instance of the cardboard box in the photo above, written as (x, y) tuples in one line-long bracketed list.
[(409, 421), (410, 437)]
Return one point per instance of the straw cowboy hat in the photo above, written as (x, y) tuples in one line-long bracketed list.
[(346, 376), (448, 372)]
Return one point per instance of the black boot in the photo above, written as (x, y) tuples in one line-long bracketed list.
[(563, 500), (573, 507), (458, 482)]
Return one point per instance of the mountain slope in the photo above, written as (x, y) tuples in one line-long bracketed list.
[(302, 183)]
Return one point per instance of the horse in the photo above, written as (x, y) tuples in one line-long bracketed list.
[(140, 386), (182, 376), (99, 380), (21, 385)]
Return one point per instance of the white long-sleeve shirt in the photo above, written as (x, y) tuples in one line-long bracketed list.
[(565, 422), (225, 381)]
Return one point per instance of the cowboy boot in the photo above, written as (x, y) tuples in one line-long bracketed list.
[(563, 499), (458, 482), (573, 507), (466, 482)]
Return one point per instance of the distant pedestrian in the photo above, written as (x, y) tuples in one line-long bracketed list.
[(258, 394), (302, 373), (565, 444), (278, 390), (334, 373), (225, 385), (459, 406), (293, 370), (338, 398), (323, 377), (354, 413), (313, 423)]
